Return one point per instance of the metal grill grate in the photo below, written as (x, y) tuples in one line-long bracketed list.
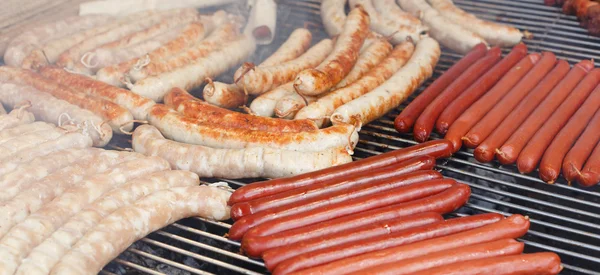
[(564, 219)]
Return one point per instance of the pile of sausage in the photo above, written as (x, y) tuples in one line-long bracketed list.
[(68, 208), (380, 215), (530, 109), (587, 11)]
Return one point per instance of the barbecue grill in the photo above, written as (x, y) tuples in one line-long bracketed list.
[(564, 219)]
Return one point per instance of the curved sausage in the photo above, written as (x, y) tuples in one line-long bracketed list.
[(340, 61), (190, 106), (234, 163), (296, 44), (508, 153), (137, 105), (493, 249), (579, 153), (478, 88), (274, 256), (553, 157), (395, 239), (442, 203), (483, 128), (537, 145), (543, 263), (242, 209), (487, 149), (513, 227), (122, 228), (589, 174), (441, 29), (436, 149), (335, 199), (264, 104), (333, 16), (288, 106), (184, 129), (368, 59), (405, 120), (326, 105), (493, 33), (395, 90), (390, 9), (425, 122), (402, 194), (473, 114), (228, 96)]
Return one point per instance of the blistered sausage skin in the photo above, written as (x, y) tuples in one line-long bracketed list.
[(508, 153), (473, 114), (300, 208), (326, 105), (483, 128), (579, 153), (441, 203), (340, 61), (122, 228), (253, 162), (190, 106), (395, 90), (487, 149), (426, 121), (405, 120), (537, 145), (478, 88), (436, 149), (513, 227)]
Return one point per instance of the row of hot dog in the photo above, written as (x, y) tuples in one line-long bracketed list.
[(532, 110), (380, 215), (70, 209)]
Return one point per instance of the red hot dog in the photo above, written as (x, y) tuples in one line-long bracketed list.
[(590, 175), (582, 149)]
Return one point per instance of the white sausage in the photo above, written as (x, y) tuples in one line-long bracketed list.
[(372, 55), (224, 95), (15, 118), (120, 7), (192, 76), (288, 106), (27, 141), (396, 89), (52, 186), (493, 33), (333, 16), (392, 11), (179, 128), (296, 44), (445, 31), (25, 175), (326, 105), (14, 132), (48, 253), (264, 105), (234, 163), (50, 109), (129, 224)]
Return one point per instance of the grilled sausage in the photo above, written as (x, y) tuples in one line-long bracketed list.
[(396, 89), (340, 61), (579, 153), (370, 56), (242, 209), (508, 153), (444, 202), (228, 96), (296, 44), (348, 197), (333, 16), (288, 106), (544, 263), (486, 125), (234, 163), (426, 121), (405, 120), (487, 149), (436, 149), (494, 249), (390, 9), (478, 88), (402, 194), (264, 104), (532, 153), (15, 118), (16, 131), (188, 105), (589, 175), (473, 114), (395, 239), (513, 227)]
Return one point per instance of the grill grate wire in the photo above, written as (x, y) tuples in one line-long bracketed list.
[(564, 219)]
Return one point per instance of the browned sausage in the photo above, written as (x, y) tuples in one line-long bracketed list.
[(477, 89), (426, 120), (590, 175), (502, 108), (405, 120), (241, 209), (435, 148), (441, 203), (582, 149)]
